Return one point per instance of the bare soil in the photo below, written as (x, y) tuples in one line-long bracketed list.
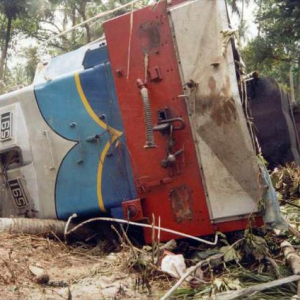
[(79, 272)]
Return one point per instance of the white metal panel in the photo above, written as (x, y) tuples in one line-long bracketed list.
[(222, 139), (19, 132), (42, 161)]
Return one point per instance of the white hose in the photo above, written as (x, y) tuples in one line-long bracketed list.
[(98, 16), (146, 226)]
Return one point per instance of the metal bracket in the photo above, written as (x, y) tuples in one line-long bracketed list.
[(145, 185), (46, 133), (133, 210)]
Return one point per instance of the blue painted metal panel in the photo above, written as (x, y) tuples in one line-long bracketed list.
[(94, 57), (117, 168), (62, 105)]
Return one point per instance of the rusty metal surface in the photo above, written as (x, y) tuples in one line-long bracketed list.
[(181, 202), (149, 34), (225, 149)]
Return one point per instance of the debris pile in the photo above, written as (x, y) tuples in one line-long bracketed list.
[(36, 267), (286, 180), (257, 263)]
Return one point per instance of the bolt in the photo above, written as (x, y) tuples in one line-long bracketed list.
[(119, 72)]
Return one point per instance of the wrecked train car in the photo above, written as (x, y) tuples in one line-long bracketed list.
[(148, 122), (276, 121)]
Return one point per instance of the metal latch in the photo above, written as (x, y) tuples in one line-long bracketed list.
[(167, 126)]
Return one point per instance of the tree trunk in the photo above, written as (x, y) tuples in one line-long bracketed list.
[(259, 14), (65, 43), (5, 49), (242, 14), (297, 81), (73, 17), (292, 86), (293, 260), (81, 11), (88, 34), (32, 226), (43, 227)]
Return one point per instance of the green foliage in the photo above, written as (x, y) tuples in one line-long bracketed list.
[(17, 17), (32, 58), (39, 20), (230, 254), (255, 246), (279, 21), (272, 52), (275, 52), (286, 180), (238, 7), (261, 56)]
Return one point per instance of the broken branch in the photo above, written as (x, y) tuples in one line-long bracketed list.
[(256, 288)]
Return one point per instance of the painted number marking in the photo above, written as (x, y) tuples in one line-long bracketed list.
[(17, 193), (6, 126)]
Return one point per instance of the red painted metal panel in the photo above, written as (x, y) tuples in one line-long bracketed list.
[(162, 189)]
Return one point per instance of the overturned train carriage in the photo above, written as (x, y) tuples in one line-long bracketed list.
[(148, 122)]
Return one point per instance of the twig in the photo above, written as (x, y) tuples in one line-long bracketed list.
[(130, 245), (256, 288), (49, 246), (199, 264), (145, 226), (69, 294), (59, 240), (90, 237), (290, 203), (153, 239), (117, 233), (187, 274), (274, 265), (158, 239), (293, 231), (144, 278), (9, 269)]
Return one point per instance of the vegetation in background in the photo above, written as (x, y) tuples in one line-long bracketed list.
[(275, 52), (26, 25)]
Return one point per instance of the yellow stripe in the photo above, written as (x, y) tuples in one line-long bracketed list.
[(115, 134), (90, 110), (100, 172)]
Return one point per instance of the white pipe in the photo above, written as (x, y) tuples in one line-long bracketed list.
[(100, 15), (145, 226)]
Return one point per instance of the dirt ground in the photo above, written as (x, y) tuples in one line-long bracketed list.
[(67, 272)]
